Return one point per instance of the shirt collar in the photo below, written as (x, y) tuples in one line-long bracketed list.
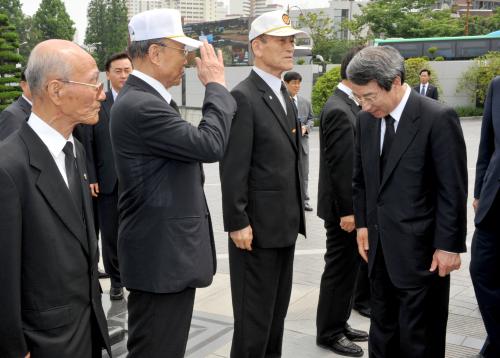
[(345, 89), (271, 80), (154, 83), (52, 139), (114, 93), (27, 100), (398, 111)]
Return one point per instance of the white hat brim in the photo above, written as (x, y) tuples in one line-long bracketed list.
[(191, 44), (286, 31)]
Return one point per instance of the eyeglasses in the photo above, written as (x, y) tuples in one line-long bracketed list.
[(366, 99), (185, 50), (98, 87)]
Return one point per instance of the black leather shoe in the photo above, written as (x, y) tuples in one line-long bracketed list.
[(341, 345), (364, 311), (116, 293), (103, 274), (355, 335), (307, 207)]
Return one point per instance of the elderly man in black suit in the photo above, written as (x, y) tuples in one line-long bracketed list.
[(485, 253), (424, 87), (17, 113), (102, 172), (165, 244), (262, 197), (51, 300), (337, 129), (410, 193)]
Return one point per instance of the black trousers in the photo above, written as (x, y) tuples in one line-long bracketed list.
[(108, 221), (337, 282), (159, 323), (407, 322), (261, 285), (362, 290), (485, 274)]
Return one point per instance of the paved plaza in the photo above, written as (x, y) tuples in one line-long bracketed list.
[(211, 328)]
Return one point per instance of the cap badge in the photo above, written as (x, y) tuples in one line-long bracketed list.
[(286, 19)]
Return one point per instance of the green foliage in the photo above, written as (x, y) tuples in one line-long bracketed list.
[(469, 111), (102, 40), (301, 61), (9, 58), (51, 21), (405, 18), (323, 88), (477, 78), (439, 58)]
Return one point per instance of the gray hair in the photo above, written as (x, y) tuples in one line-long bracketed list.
[(139, 49), (381, 64), (43, 64)]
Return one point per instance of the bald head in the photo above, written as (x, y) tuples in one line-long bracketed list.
[(53, 59)]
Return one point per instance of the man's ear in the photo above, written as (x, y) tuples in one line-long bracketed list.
[(55, 91), (154, 54)]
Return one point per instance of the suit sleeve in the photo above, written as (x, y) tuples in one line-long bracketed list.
[(166, 134), (449, 160), (487, 142), (12, 342), (9, 123), (435, 93), (358, 181), (310, 118), (235, 166), (338, 136)]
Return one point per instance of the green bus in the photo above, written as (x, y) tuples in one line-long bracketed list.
[(451, 48)]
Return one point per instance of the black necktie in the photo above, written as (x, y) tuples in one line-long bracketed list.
[(74, 182), (390, 133), (174, 106), (291, 113)]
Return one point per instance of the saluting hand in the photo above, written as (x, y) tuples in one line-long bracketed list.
[(210, 66), (242, 238)]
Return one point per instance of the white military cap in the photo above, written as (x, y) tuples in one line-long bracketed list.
[(274, 23), (159, 23)]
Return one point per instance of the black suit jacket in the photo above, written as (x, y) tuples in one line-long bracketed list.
[(337, 129), (97, 143), (49, 255), (419, 205), (488, 159), (13, 117), (260, 174), (165, 240), (432, 91)]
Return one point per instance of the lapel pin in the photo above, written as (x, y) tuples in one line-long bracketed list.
[(294, 130), (270, 97), (85, 176)]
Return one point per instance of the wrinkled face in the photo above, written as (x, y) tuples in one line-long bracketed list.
[(293, 87), (118, 73), (374, 99), (170, 57), (424, 77), (274, 54), (80, 102)]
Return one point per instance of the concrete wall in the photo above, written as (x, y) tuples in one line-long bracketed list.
[(448, 74)]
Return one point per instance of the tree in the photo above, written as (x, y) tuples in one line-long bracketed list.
[(323, 33), (51, 21), (9, 58), (102, 40), (405, 18), (478, 77), (12, 8), (323, 88)]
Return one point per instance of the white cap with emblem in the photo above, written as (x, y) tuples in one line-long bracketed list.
[(273, 23), (160, 23)]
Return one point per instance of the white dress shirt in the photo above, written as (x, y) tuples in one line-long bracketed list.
[(114, 93), (53, 140), (157, 85), (273, 82), (396, 114)]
